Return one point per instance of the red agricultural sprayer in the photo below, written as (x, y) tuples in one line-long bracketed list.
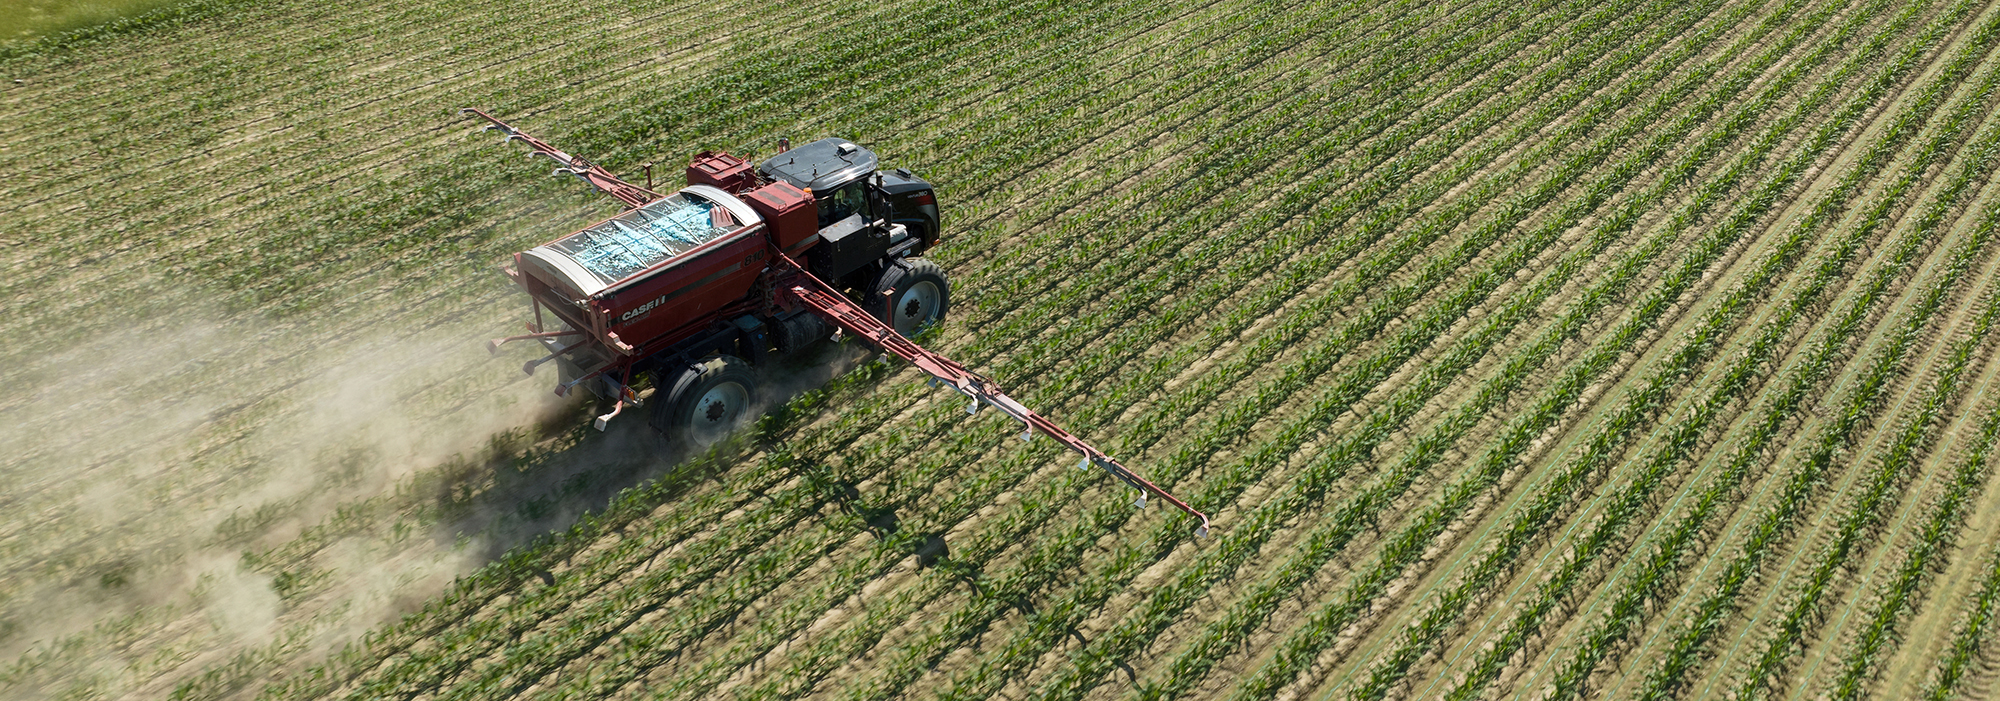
[(697, 287)]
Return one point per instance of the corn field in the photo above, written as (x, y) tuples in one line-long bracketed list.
[(1548, 349)]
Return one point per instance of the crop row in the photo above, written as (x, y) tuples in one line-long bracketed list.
[(1967, 643), (1402, 346), (1660, 571), (1863, 518), (1403, 550), (1243, 539), (1683, 439), (1937, 534), (1614, 433), (1779, 518), (1814, 368)]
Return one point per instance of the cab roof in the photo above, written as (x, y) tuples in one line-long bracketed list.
[(821, 165)]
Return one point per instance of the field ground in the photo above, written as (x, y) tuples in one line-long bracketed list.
[(24, 22), (1549, 349)]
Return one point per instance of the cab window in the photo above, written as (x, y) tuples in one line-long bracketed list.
[(840, 203)]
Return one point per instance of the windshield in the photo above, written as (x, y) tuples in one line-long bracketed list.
[(641, 238), (840, 203)]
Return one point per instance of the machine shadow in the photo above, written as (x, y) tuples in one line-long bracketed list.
[(540, 480)]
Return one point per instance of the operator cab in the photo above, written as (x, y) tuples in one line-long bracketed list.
[(860, 208), (843, 178), (822, 164)]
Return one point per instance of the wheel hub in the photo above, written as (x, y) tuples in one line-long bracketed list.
[(716, 413), (917, 306)]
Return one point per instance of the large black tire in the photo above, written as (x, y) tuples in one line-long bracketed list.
[(706, 402), (911, 293)]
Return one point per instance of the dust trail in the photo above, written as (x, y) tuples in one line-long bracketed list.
[(199, 503), (198, 493)]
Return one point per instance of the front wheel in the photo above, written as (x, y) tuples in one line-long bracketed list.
[(707, 401), (910, 294)]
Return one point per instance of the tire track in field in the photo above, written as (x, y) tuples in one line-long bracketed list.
[(1965, 648), (1865, 441), (1754, 683)]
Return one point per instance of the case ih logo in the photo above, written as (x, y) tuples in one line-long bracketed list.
[(642, 309)]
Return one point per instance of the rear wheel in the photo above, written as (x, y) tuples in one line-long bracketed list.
[(707, 401), (911, 293)]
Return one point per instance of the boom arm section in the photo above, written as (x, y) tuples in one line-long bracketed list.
[(596, 175), (813, 293)]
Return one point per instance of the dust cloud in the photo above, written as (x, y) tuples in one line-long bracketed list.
[(197, 504), (201, 495)]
